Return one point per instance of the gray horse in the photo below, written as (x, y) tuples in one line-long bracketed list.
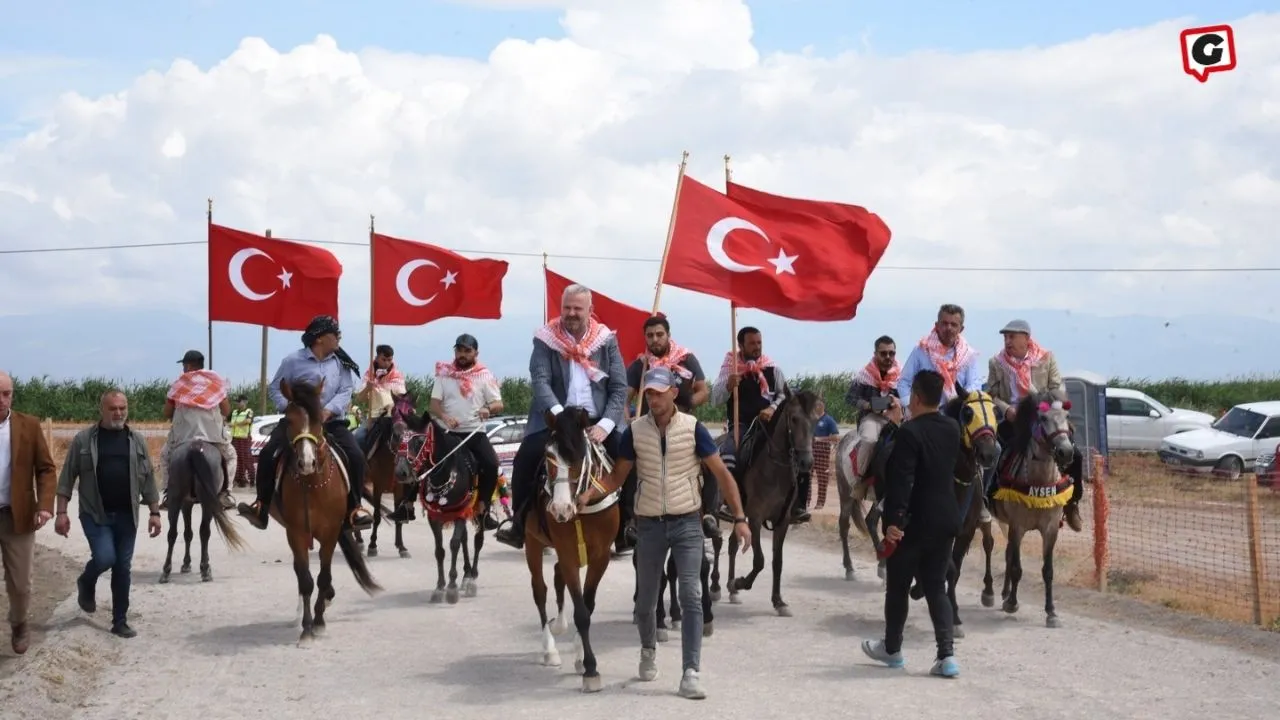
[(195, 475), (782, 450)]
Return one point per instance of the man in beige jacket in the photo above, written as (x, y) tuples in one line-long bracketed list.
[(1024, 367)]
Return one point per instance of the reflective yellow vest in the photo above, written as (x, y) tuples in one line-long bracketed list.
[(241, 421)]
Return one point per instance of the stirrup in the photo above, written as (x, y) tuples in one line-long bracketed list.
[(358, 512)]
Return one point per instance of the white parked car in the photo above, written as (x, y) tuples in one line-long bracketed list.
[(260, 430), (1137, 421), (505, 433), (1231, 446)]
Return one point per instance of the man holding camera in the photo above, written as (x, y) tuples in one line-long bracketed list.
[(869, 394)]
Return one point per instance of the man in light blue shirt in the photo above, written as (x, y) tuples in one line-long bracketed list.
[(321, 358), (945, 351)]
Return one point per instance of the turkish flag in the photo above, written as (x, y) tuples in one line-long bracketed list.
[(801, 259), (627, 321), (264, 281), (415, 283)]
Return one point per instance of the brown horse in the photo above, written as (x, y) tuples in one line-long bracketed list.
[(1033, 490), (384, 444), (571, 461), (782, 451), (440, 465), (311, 502)]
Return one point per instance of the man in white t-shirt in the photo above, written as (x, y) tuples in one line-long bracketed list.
[(463, 396)]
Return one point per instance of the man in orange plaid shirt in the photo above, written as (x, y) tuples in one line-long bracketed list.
[(198, 406)]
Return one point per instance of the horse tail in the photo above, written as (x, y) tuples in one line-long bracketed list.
[(356, 562), (207, 487), (860, 520)]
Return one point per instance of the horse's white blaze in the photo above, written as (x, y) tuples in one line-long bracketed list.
[(563, 508), (307, 457)]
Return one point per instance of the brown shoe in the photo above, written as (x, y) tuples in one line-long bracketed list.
[(21, 638), (1073, 517)]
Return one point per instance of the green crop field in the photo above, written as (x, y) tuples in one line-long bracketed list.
[(78, 401)]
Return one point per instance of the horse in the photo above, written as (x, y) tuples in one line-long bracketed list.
[(194, 470), (1033, 490), (783, 450), (384, 443), (571, 463), (311, 503), (667, 583), (444, 471)]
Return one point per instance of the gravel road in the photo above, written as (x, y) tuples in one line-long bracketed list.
[(227, 649)]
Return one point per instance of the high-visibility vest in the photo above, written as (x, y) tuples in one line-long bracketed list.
[(241, 421)]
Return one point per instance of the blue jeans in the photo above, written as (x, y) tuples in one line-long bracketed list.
[(682, 537), (111, 548)]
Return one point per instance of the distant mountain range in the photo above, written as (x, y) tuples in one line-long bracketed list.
[(142, 345)]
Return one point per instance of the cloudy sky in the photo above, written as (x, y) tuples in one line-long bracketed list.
[(994, 135)]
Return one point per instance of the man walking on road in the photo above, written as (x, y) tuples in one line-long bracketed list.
[(667, 448), (28, 481), (110, 484), (922, 516)]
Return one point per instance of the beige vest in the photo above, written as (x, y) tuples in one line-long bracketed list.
[(669, 484)]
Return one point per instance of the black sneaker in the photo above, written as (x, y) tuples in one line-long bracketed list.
[(84, 596), (123, 630), (512, 535), (799, 515)]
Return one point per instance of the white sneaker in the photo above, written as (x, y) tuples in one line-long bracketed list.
[(649, 664), (691, 686)]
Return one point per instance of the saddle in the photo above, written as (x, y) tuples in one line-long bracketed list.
[(750, 446), (441, 499), (1013, 482)]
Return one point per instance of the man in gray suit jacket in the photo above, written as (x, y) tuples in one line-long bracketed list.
[(575, 363)]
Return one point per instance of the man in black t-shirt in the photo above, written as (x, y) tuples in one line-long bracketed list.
[(692, 391)]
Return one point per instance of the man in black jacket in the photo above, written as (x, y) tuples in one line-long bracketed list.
[(922, 516)]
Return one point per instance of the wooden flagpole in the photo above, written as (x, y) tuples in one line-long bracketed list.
[(671, 231), (262, 368), (372, 269), (733, 333), (208, 214), (546, 309)]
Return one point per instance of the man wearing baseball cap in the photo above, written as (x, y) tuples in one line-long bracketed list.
[(1021, 368), (668, 449)]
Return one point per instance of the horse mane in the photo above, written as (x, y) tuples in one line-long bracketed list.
[(304, 395), (807, 399), (567, 432), (1024, 421)]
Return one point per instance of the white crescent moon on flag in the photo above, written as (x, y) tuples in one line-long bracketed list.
[(715, 243), (402, 282), (235, 269)]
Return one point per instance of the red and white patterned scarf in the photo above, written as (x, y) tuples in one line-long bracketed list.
[(870, 375), (467, 379), (948, 369), (204, 389), (578, 351), (747, 368), (671, 361), (392, 378), (1020, 370)]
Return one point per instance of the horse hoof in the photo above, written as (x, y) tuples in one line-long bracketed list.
[(437, 596), (675, 624), (206, 575), (783, 610), (164, 579), (1052, 621), (957, 632), (451, 596), (469, 590), (591, 684), (848, 574), (734, 599), (714, 595), (579, 667), (988, 599), (306, 638), (319, 630), (662, 635), (708, 629), (916, 592), (372, 551), (559, 626), (404, 555), (880, 571), (551, 659), (185, 569), (1010, 606)]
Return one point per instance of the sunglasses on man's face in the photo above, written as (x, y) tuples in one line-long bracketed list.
[(887, 353)]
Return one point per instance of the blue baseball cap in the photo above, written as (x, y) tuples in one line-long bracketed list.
[(659, 379)]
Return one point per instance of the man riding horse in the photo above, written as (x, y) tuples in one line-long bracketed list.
[(381, 385), (321, 358), (945, 351), (575, 362), (761, 389), (691, 391), (869, 395), (1022, 368), (197, 406)]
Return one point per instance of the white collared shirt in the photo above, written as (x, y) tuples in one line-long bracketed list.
[(6, 460)]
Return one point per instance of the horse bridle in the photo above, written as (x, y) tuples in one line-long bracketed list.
[(989, 422), (594, 456)]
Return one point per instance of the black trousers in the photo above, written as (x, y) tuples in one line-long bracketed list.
[(339, 434), (528, 459), (925, 559), (486, 462)]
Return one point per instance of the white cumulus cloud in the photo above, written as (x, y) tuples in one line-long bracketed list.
[(1094, 153)]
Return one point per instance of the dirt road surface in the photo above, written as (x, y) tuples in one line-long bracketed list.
[(226, 649)]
